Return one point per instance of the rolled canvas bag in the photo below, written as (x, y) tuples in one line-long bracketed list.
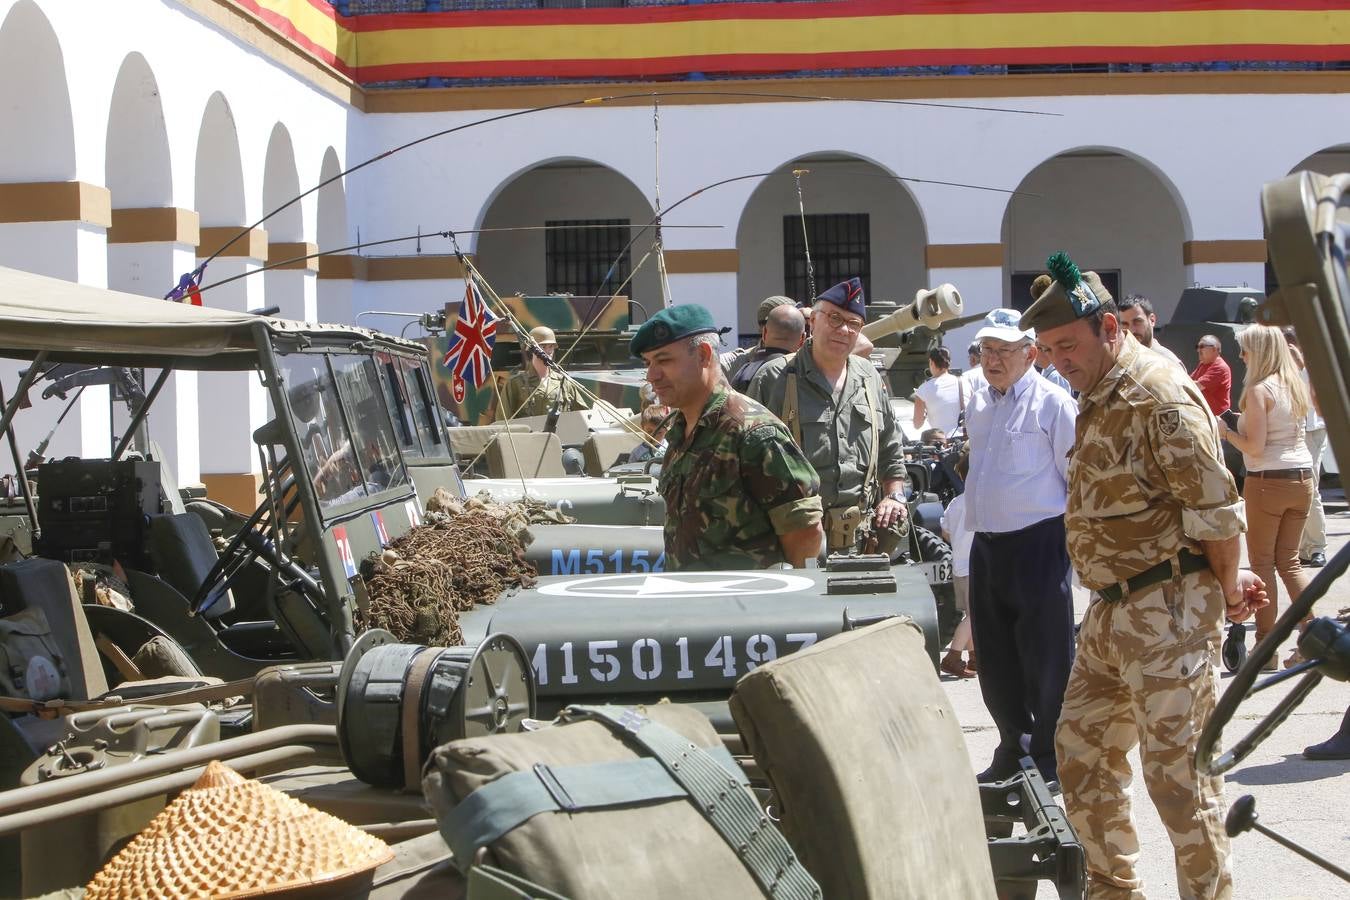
[(867, 760), (612, 802)]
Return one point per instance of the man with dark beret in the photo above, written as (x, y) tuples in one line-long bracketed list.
[(738, 492), (1152, 522), (835, 406)]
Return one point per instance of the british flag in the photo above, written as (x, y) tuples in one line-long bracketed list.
[(469, 355)]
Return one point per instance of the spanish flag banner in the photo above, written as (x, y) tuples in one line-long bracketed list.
[(760, 38)]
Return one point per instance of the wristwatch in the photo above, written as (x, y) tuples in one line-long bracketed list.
[(897, 496)]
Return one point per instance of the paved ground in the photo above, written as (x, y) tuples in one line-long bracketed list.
[(1308, 802)]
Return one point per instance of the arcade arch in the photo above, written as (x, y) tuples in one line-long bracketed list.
[(862, 220), (290, 289), (567, 190), (1327, 161), (334, 295), (1112, 212), (30, 55)]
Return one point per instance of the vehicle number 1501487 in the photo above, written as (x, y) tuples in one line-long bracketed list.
[(650, 659)]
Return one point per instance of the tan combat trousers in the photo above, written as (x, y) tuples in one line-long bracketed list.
[(1144, 675)]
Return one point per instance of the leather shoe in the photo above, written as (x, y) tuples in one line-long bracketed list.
[(1335, 747), (955, 666), (998, 771), (1315, 560)]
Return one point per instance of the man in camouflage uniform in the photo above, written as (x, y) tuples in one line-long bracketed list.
[(537, 389), (738, 492), (836, 408), (1153, 522), (732, 359)]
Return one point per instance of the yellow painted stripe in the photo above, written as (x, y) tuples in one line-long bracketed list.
[(319, 29), (858, 34)]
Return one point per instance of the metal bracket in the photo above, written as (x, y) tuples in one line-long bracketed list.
[(1048, 849)]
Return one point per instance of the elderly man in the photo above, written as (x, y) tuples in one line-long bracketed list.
[(1153, 522), (537, 390), (1213, 375), (784, 332), (1136, 314), (732, 359), (835, 406), (738, 492), (1021, 602), (972, 379)]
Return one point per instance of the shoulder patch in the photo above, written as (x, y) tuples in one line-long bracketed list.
[(1169, 420)]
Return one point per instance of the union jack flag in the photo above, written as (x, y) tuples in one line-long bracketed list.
[(469, 355)]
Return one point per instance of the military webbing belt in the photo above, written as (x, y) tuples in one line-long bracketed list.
[(708, 777)]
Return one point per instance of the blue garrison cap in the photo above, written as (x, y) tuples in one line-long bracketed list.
[(847, 295), (671, 324)]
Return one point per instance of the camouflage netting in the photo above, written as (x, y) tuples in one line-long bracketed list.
[(467, 553)]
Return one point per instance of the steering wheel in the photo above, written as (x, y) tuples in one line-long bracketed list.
[(1325, 646)]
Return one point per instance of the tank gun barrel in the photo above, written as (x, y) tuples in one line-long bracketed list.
[(930, 308)]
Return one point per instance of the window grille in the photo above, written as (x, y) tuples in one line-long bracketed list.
[(579, 252), (841, 247)]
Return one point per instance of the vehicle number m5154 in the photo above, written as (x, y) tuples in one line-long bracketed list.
[(598, 562), (648, 660)]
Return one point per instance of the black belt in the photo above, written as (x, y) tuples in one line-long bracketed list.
[(1189, 563), (1289, 474)]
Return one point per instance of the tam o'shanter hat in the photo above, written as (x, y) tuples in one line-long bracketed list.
[(671, 324), (228, 836), (1071, 295), (848, 295)]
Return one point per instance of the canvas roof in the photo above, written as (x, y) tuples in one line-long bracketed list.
[(78, 323)]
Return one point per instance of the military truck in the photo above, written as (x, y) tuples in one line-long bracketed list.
[(351, 452)]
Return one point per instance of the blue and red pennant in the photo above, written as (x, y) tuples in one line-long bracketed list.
[(469, 355)]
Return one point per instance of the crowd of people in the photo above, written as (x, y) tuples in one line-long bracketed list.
[(1091, 452)]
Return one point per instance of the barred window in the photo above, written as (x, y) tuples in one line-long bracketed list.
[(579, 253), (841, 247)]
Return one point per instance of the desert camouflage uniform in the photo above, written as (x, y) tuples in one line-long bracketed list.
[(836, 432), (525, 394), (1146, 480), (738, 484)]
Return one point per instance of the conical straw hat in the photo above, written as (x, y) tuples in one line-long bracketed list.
[(228, 836)]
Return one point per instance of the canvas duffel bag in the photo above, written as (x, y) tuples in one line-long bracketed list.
[(869, 767), (612, 802)]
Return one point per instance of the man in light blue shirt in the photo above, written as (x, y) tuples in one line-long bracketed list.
[(1021, 429)]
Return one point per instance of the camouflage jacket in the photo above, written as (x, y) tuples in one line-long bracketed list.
[(836, 437), (525, 394), (1146, 475), (733, 487)]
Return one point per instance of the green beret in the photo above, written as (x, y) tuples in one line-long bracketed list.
[(1072, 295), (669, 325)]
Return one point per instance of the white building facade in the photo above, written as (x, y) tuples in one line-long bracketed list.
[(138, 137)]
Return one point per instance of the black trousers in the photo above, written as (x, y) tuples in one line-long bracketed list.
[(1021, 609)]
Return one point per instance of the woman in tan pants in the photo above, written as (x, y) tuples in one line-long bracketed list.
[(1279, 487)]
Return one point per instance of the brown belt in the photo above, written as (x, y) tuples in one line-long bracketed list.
[(1287, 474)]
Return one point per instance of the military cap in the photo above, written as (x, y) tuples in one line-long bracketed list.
[(847, 295), (671, 324), (542, 335), (769, 304), (1071, 295)]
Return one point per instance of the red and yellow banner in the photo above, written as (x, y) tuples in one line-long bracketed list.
[(749, 38)]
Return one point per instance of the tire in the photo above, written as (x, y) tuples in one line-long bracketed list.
[(931, 548)]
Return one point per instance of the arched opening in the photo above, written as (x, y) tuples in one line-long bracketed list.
[(36, 115), (1328, 161), (38, 145), (860, 220), (335, 295), (139, 176), (290, 289), (592, 210), (236, 401), (1111, 212)]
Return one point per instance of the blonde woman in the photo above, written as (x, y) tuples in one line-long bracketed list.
[(1270, 433)]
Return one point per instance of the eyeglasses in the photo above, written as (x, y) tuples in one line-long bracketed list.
[(838, 322), (1205, 347), (989, 351)]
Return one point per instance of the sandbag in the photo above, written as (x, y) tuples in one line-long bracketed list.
[(864, 753), (656, 849)]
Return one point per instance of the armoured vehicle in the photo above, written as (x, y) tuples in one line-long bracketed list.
[(1220, 311)]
